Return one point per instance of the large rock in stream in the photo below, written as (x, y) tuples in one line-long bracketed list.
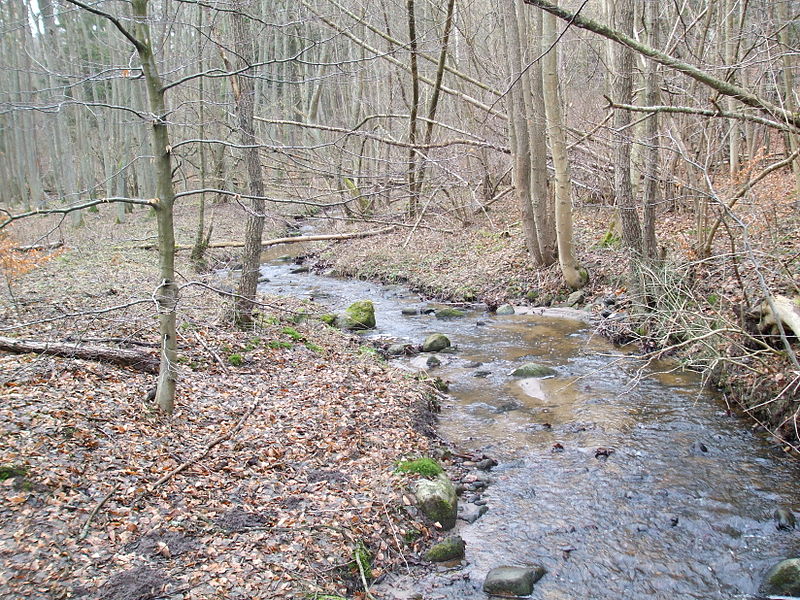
[(435, 342), (533, 370), (359, 315), (512, 581), (437, 500), (783, 579)]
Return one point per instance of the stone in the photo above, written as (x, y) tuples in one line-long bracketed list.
[(409, 312), (486, 464), (576, 298), (359, 315), (436, 499), (784, 518), (533, 370), (471, 512), (396, 349), (263, 279), (505, 309), (452, 548), (449, 313), (783, 579), (481, 374), (432, 362), (435, 342), (699, 448), (512, 581)]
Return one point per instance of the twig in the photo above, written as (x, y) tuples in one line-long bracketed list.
[(226, 436), (363, 578), (93, 514), (212, 353)]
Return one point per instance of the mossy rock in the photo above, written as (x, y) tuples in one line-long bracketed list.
[(437, 500), (783, 579), (453, 548), (435, 342), (427, 467), (505, 309), (533, 370), (449, 313), (328, 319), (358, 316)]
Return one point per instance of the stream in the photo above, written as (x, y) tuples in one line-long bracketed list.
[(680, 508)]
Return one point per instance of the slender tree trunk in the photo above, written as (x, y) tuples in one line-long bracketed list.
[(167, 291), (652, 154), (789, 63), (244, 96), (200, 240), (413, 200), (574, 275), (542, 199), (518, 129), (623, 71)]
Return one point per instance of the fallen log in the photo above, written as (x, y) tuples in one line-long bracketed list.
[(39, 247), (118, 356), (787, 311), (283, 240)]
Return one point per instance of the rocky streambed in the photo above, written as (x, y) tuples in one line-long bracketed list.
[(614, 478)]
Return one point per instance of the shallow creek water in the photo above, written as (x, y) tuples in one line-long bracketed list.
[(659, 518)]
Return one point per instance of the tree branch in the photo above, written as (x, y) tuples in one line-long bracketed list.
[(723, 87), (137, 43), (704, 112), (68, 209)]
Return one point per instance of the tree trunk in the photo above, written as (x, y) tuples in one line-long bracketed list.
[(623, 71), (166, 294), (652, 154), (574, 275), (519, 136), (244, 96), (118, 356)]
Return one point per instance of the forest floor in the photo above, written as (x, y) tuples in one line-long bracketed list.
[(289, 433)]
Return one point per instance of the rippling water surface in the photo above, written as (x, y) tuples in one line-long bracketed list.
[(659, 518)]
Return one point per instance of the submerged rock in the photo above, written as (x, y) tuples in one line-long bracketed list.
[(471, 512), (435, 342), (437, 500), (533, 370), (512, 581), (359, 315), (409, 312), (783, 579), (505, 309), (449, 313), (784, 518), (450, 549), (396, 349)]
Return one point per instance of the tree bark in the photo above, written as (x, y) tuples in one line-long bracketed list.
[(574, 276), (623, 73), (118, 356), (244, 96), (166, 294)]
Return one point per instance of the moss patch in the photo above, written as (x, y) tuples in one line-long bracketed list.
[(427, 467)]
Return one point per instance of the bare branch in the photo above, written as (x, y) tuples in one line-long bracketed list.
[(137, 43), (68, 209)]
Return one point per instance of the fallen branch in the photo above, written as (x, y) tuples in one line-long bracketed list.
[(118, 356), (225, 436), (93, 514), (39, 247), (283, 240)]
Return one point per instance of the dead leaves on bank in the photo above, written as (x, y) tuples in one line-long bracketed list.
[(260, 485)]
